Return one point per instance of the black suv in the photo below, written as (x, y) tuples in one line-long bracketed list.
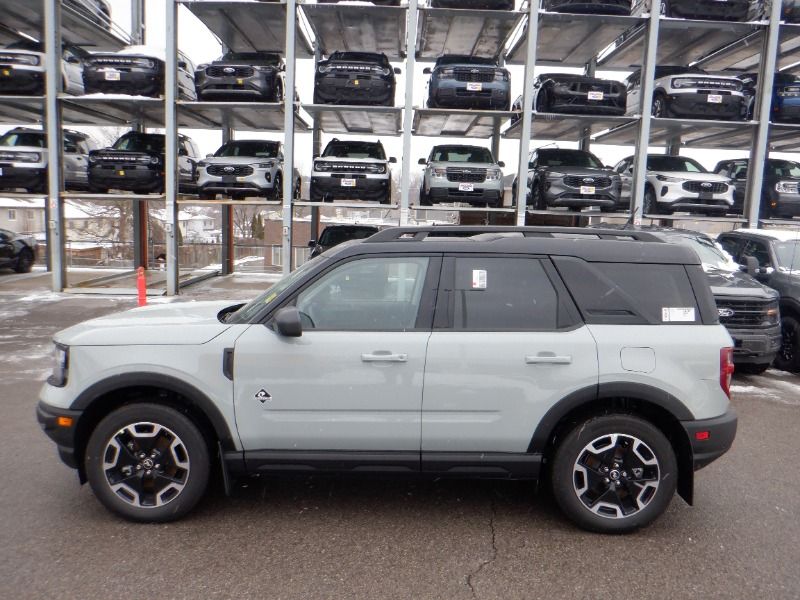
[(333, 235), (598, 7), (242, 76), (479, 4), (136, 163), (773, 257), (355, 78), (728, 10), (468, 82), (780, 191)]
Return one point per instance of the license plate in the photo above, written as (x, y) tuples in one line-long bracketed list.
[(121, 173), (466, 187), (715, 99), (587, 189), (112, 75), (706, 196), (348, 183), (596, 95), (474, 87)]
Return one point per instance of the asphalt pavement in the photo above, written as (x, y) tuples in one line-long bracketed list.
[(371, 539)]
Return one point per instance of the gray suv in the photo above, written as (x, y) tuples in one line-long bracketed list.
[(459, 173), (511, 353)]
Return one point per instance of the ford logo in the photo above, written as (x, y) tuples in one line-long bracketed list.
[(588, 180), (705, 184), (229, 70), (229, 169), (725, 312)]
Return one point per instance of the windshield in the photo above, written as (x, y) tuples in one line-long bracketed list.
[(674, 163), (785, 168), (787, 254), (252, 308), (252, 57), (335, 236), (140, 142), (472, 60), (711, 254), (354, 150), (35, 140), (464, 154), (245, 148), (569, 158), (360, 57)]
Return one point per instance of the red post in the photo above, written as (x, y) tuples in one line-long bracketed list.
[(141, 286)]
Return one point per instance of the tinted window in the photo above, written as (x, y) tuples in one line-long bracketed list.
[(674, 163), (372, 294), (31, 139), (757, 250), (252, 57), (249, 148), (626, 293), (503, 294), (333, 236), (785, 168), (568, 158), (461, 154), (456, 59), (354, 150), (140, 142)]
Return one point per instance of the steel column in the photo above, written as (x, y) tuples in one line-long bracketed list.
[(412, 23), (137, 21), (316, 150), (674, 146), (55, 226), (527, 110), (760, 152), (645, 108), (140, 233), (171, 146), (227, 258), (586, 132), (288, 128)]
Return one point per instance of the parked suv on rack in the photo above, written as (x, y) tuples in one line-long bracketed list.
[(242, 76), (679, 183), (479, 4), (468, 82), (23, 159), (729, 10), (568, 93), (137, 71), (780, 191), (785, 103), (242, 166), (775, 256), (689, 92), (575, 179), (355, 78), (22, 69), (601, 7), (580, 335), (135, 163), (457, 173), (352, 171)]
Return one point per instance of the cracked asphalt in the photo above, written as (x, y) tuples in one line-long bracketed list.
[(305, 538)]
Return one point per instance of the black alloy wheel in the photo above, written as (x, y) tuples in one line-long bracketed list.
[(277, 187), (537, 198), (788, 357), (660, 109), (650, 202)]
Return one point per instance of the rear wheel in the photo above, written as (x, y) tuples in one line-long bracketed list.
[(788, 358), (147, 462), (24, 261), (614, 473), (650, 203), (660, 109)]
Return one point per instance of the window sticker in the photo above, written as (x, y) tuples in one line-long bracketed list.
[(677, 315), (478, 279)]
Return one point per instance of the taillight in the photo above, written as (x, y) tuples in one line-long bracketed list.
[(726, 370)]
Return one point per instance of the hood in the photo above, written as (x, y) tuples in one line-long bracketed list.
[(347, 159), (738, 284), (711, 177), (236, 160), (469, 65), (21, 52), (179, 324), (587, 171), (463, 165)]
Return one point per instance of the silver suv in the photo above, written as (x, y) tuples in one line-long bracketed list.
[(461, 174), (510, 353)]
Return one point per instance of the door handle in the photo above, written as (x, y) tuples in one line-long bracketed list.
[(548, 359), (384, 356)]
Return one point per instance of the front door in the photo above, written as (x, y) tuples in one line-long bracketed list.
[(353, 380)]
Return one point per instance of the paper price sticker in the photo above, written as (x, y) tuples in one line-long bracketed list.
[(478, 279), (677, 315)]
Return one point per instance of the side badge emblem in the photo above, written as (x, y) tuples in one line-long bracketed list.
[(263, 395)]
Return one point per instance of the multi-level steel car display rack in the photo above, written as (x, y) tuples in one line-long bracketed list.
[(407, 34)]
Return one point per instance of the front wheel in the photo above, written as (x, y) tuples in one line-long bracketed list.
[(660, 109), (277, 187), (788, 358), (614, 473), (24, 261), (650, 202), (148, 463), (537, 198)]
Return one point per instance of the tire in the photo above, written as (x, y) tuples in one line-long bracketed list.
[(24, 261), (650, 203), (583, 494), (424, 199), (277, 187), (537, 198), (540, 105), (788, 357), (752, 369), (185, 459), (660, 109), (298, 189), (206, 195), (278, 96), (387, 199), (97, 189)]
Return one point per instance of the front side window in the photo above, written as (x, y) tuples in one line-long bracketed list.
[(32, 139), (140, 142), (371, 294), (759, 251), (787, 254)]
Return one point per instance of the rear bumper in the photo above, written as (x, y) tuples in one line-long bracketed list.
[(719, 434), (64, 437)]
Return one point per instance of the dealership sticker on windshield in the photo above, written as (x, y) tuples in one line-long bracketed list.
[(478, 279), (677, 315), (596, 95)]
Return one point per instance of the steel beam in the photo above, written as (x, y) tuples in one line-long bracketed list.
[(137, 22), (527, 111), (171, 147), (645, 107), (288, 128), (412, 25), (227, 258), (760, 152), (316, 150), (55, 226)]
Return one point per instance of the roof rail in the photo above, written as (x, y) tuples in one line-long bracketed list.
[(419, 234)]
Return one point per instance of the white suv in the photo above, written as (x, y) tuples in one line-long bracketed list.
[(352, 171), (593, 357)]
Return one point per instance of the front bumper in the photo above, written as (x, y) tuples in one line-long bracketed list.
[(14, 80), (259, 86), (482, 193), (366, 188), (579, 103), (260, 180), (673, 196), (784, 203), (557, 193), (732, 10), (65, 437), (353, 89), (131, 178), (454, 94), (136, 81), (755, 346), (697, 105), (16, 177), (719, 434)]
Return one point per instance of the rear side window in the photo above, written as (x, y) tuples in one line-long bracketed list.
[(633, 294)]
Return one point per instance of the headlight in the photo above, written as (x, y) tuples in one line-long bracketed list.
[(439, 172), (265, 165), (501, 75), (556, 174), (144, 62), (787, 187), (493, 174), (323, 69), (28, 157), (27, 59), (668, 179), (58, 377), (376, 169), (321, 166), (447, 73), (682, 83), (92, 158)]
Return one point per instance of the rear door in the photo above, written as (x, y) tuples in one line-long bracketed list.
[(507, 345)]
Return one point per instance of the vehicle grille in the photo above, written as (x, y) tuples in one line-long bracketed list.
[(584, 87), (220, 71), (466, 175), (577, 181), (123, 158), (747, 313), (229, 170), (717, 84), (351, 68), (114, 61), (352, 167), (470, 76), (698, 187)]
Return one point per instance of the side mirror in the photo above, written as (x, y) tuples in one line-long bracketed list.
[(287, 322), (397, 71), (182, 152), (501, 164), (427, 70), (209, 156), (422, 161), (312, 243), (751, 265), (392, 160)]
